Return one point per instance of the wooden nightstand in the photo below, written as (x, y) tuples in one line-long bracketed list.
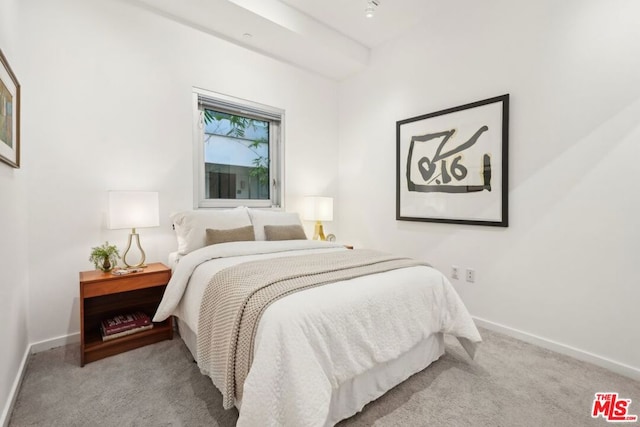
[(103, 295)]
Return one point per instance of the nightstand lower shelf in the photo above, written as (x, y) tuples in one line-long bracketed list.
[(95, 348)]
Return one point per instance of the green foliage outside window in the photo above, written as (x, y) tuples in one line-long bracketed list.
[(238, 126)]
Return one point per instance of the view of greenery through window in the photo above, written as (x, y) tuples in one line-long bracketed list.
[(236, 156)]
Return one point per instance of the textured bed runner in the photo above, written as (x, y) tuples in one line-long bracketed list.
[(236, 297)]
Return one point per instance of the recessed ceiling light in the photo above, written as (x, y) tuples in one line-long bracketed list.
[(368, 12), (371, 7)]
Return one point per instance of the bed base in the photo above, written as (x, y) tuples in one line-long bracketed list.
[(354, 394)]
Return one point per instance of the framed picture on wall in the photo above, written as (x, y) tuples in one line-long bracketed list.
[(9, 115), (452, 165)]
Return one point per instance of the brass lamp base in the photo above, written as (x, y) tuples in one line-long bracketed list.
[(319, 232), (143, 256)]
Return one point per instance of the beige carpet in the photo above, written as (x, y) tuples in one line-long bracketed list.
[(510, 383)]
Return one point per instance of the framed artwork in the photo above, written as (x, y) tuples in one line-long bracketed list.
[(9, 115), (452, 165)]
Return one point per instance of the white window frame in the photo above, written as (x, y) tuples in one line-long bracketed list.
[(232, 105)]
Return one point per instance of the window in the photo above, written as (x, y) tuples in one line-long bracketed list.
[(237, 152)]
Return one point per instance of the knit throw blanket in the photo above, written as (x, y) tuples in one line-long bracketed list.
[(236, 297)]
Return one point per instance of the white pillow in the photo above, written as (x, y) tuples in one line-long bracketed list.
[(260, 218), (191, 226)]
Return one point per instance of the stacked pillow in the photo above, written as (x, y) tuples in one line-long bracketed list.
[(191, 226), (261, 219), (197, 229)]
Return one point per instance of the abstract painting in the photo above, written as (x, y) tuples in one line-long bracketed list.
[(452, 165)]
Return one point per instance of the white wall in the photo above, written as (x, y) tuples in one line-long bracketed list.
[(13, 245), (564, 270), (107, 106)]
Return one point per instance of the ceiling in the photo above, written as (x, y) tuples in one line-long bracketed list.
[(330, 37), (347, 17)]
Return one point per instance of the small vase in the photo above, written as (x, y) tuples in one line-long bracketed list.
[(106, 265)]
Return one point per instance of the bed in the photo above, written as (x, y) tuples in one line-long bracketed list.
[(321, 352)]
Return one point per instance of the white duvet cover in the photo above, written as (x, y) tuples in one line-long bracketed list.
[(311, 342)]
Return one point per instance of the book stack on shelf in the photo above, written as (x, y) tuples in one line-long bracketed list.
[(124, 324)]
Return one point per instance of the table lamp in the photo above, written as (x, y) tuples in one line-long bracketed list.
[(133, 209), (318, 209)]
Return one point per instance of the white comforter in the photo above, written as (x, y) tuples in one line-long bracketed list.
[(311, 342)]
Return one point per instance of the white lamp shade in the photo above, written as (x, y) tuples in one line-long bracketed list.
[(318, 208), (133, 209)]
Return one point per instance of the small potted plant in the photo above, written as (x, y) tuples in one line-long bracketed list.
[(104, 257)]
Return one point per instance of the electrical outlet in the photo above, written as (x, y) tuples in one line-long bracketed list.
[(471, 275), (455, 272)]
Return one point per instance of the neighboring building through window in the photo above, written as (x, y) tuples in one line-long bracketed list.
[(238, 152)]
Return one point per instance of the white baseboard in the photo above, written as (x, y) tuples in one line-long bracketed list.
[(13, 394), (31, 349), (45, 345), (585, 356)]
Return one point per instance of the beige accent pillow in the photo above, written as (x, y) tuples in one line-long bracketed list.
[(242, 234), (262, 217), (284, 232)]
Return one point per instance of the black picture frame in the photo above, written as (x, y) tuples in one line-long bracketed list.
[(452, 166)]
